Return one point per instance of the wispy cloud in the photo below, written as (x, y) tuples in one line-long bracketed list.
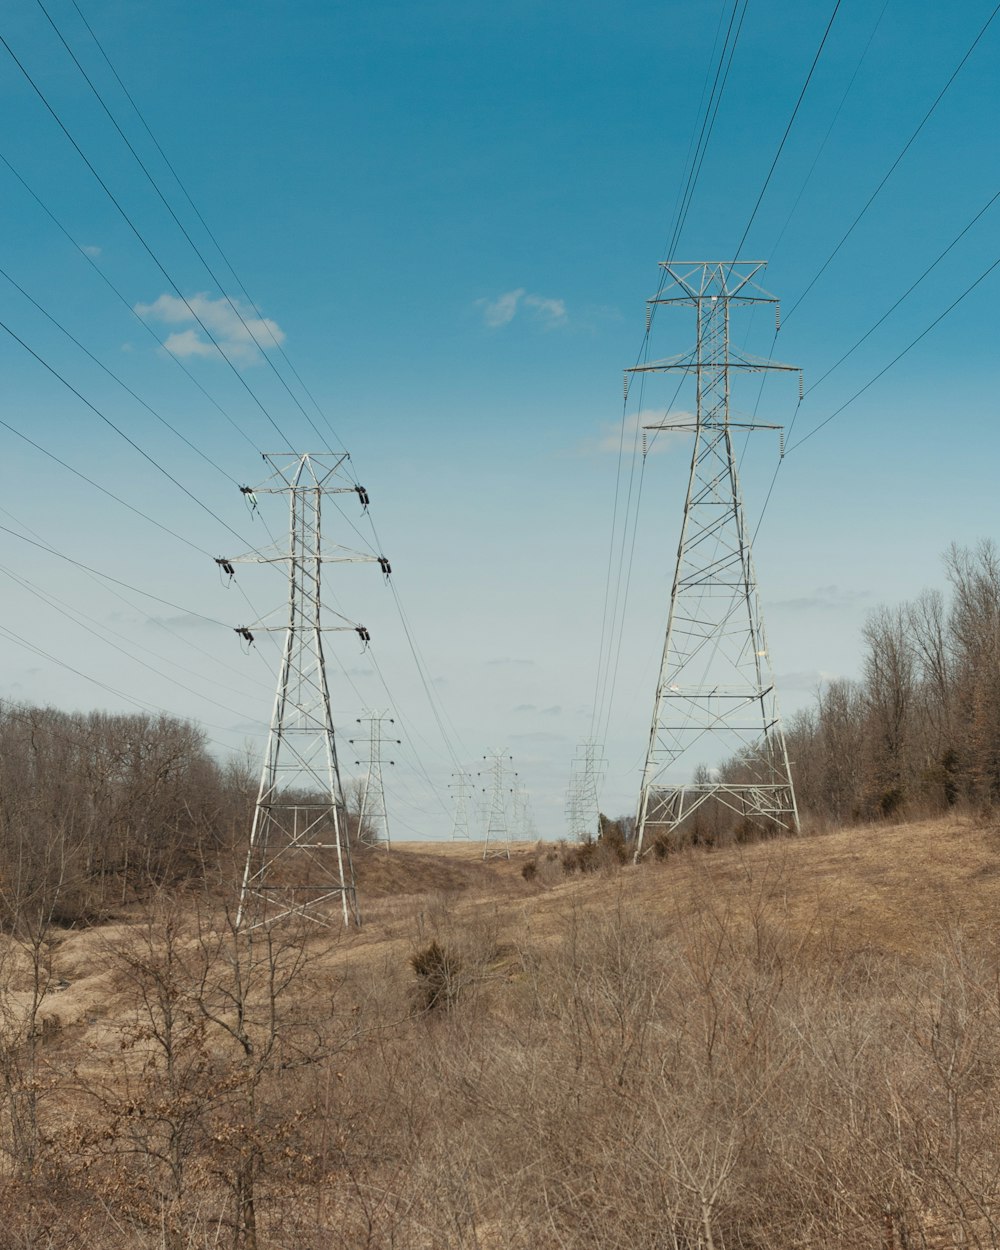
[(611, 436), (185, 621), (546, 312), (551, 312), (91, 249), (805, 679), (236, 329), (824, 597)]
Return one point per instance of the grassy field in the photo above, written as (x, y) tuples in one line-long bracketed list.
[(788, 1044)]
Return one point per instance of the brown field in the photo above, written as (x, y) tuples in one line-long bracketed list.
[(784, 1045)]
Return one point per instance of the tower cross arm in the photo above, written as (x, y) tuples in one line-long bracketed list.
[(329, 555)]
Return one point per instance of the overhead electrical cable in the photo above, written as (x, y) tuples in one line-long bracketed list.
[(139, 236), (204, 224), (612, 619), (871, 381), (180, 225), (87, 623), (121, 433), (788, 129), (898, 357), (895, 164), (103, 489), (131, 309), (829, 131), (100, 580), (906, 294), (109, 577), (115, 378), (96, 681)]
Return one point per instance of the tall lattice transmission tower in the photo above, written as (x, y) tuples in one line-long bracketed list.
[(716, 690), (373, 819), (299, 858), (496, 844), (461, 786), (582, 802)]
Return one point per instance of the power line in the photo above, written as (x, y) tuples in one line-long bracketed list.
[(108, 577), (111, 424), (111, 286), (899, 356), (80, 619), (114, 376), (892, 168), (138, 234), (180, 225), (788, 128)]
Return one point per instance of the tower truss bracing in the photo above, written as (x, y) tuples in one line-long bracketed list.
[(716, 738), (299, 858)]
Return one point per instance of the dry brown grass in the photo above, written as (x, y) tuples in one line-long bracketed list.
[(793, 1045)]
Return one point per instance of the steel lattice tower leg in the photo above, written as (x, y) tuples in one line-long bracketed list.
[(373, 819), (299, 858), (497, 822), (716, 690)]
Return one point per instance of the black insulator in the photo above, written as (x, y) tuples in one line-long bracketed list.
[(244, 633), (363, 634), (384, 565), (363, 496), (225, 565)]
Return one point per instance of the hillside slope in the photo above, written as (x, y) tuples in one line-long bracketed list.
[(789, 1044)]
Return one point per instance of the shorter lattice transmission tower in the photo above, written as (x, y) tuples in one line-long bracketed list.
[(522, 815), (462, 788), (373, 819), (496, 844), (299, 857), (582, 797), (716, 690)]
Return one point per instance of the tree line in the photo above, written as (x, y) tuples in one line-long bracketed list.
[(919, 732), (96, 808)]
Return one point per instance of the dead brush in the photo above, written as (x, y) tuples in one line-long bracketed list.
[(438, 973)]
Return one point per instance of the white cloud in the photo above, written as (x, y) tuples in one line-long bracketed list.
[(826, 598), (551, 312), (805, 679), (91, 249), (611, 437), (237, 330), (501, 311)]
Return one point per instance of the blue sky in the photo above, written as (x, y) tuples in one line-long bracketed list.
[(451, 215)]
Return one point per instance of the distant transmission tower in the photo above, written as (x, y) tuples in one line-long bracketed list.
[(461, 786), (522, 817), (716, 687), (582, 804), (299, 859), (497, 820), (373, 820)]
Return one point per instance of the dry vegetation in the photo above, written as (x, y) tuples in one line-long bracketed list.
[(792, 1044)]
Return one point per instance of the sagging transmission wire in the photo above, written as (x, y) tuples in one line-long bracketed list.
[(163, 270), (180, 225), (612, 619), (141, 238), (204, 224)]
